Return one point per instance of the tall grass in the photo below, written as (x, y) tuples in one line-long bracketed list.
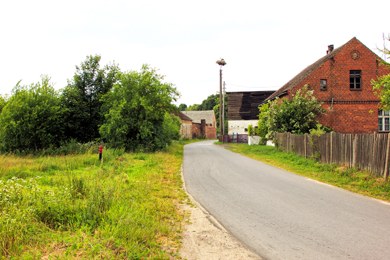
[(347, 178), (75, 206)]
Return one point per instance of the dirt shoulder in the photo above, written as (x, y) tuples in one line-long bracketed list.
[(205, 238)]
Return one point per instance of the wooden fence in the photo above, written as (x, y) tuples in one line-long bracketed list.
[(369, 152), (236, 138)]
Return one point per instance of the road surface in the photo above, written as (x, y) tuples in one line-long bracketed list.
[(280, 215)]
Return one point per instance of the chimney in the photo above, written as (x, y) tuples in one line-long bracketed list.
[(330, 49)]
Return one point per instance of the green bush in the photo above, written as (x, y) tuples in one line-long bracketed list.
[(3, 101), (263, 126), (250, 130), (137, 108), (31, 118), (297, 114)]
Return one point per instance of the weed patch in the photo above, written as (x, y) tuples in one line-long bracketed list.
[(74, 206)]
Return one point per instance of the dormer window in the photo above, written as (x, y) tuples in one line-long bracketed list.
[(355, 79)]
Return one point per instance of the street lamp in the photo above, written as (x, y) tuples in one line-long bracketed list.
[(221, 62)]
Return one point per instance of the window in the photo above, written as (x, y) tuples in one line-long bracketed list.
[(323, 84), (355, 80), (383, 121)]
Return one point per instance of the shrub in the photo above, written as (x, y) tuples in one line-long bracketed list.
[(137, 116), (31, 118), (297, 114)]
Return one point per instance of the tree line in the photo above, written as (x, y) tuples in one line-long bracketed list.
[(132, 110)]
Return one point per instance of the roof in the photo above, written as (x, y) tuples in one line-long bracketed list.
[(244, 105), (306, 72), (183, 117), (197, 116)]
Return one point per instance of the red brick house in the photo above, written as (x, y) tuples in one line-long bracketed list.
[(342, 81), (198, 124)]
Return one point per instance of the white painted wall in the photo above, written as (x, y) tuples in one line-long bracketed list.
[(238, 126)]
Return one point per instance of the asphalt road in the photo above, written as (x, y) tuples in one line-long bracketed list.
[(280, 215)]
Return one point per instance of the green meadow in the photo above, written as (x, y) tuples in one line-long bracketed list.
[(75, 206)]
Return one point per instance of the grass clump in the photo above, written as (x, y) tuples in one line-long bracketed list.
[(347, 178), (74, 206)]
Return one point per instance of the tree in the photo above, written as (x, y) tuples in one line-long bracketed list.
[(138, 112), (32, 118), (82, 98), (2, 102), (263, 126), (297, 115), (170, 130), (193, 107), (381, 86), (182, 107), (208, 104)]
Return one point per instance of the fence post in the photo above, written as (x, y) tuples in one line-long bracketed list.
[(288, 142), (354, 150), (304, 143), (331, 147), (386, 172)]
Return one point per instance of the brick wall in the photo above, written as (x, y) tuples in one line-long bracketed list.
[(351, 118), (209, 132), (348, 111)]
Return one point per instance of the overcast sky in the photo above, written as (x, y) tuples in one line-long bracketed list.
[(265, 43)]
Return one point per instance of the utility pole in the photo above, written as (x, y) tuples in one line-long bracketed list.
[(223, 108), (221, 63)]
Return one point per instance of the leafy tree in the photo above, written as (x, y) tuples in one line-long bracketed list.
[(2, 102), (32, 118), (297, 115), (182, 107), (170, 130), (137, 112), (82, 98), (381, 86), (264, 123), (209, 103), (194, 107)]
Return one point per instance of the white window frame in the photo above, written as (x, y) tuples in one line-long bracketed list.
[(383, 121)]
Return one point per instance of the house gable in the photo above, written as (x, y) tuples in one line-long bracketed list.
[(197, 116), (348, 110)]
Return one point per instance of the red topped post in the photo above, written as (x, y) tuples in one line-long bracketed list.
[(100, 152)]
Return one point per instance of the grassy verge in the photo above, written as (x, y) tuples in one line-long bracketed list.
[(346, 178), (76, 207)]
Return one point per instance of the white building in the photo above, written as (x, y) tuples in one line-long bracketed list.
[(243, 110)]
